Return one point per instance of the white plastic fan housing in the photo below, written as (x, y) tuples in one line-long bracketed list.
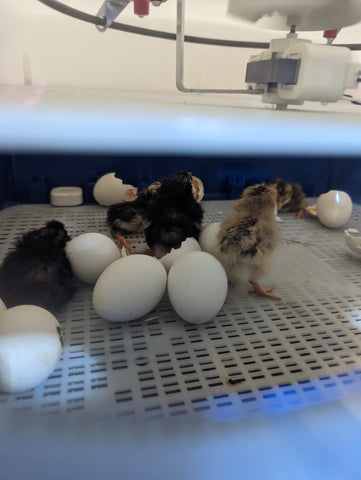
[(304, 14)]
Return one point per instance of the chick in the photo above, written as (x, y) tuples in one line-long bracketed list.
[(37, 271), (137, 216), (290, 197), (131, 217), (248, 237), (175, 215)]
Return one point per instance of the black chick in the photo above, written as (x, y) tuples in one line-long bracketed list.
[(137, 216), (174, 215), (290, 197), (38, 272)]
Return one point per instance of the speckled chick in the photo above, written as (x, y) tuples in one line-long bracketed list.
[(248, 237), (290, 197)]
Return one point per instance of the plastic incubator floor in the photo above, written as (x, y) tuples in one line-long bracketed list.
[(279, 356)]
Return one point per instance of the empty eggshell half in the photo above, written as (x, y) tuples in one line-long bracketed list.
[(188, 245), (89, 254), (197, 189), (30, 347), (353, 239), (129, 288), (197, 287), (110, 190), (334, 208)]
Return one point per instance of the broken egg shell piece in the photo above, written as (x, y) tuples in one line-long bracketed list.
[(110, 190), (197, 189), (353, 239), (188, 245)]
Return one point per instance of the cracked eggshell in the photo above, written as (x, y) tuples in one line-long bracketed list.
[(30, 347), (334, 208), (110, 190), (208, 237), (197, 189), (353, 239), (197, 287), (129, 288), (90, 254), (188, 245)]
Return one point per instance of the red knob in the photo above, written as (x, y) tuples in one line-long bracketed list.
[(141, 7), (330, 33)]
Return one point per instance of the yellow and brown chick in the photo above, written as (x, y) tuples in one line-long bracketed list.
[(248, 237), (290, 197)]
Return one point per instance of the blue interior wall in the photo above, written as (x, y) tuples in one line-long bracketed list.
[(29, 178)]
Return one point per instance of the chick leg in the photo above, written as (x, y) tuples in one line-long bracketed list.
[(263, 291), (146, 251), (123, 242), (300, 213)]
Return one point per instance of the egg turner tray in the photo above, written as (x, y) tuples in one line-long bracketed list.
[(258, 356)]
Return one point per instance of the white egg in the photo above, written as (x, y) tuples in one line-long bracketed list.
[(90, 254), (30, 347), (334, 208), (197, 287), (2, 306), (208, 237), (109, 190), (129, 288), (189, 245)]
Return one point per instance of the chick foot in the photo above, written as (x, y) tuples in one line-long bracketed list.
[(263, 291), (123, 242), (300, 214)]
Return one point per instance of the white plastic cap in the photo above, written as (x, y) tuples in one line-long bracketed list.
[(66, 196)]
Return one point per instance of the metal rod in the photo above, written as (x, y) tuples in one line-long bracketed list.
[(180, 60)]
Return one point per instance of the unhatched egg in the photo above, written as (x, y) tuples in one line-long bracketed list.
[(208, 237), (30, 347), (188, 245), (334, 208), (110, 190), (89, 254), (197, 287), (129, 288)]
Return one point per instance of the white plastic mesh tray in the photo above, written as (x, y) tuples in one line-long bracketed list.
[(284, 355)]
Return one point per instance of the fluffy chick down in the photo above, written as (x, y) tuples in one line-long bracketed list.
[(37, 271), (249, 236)]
